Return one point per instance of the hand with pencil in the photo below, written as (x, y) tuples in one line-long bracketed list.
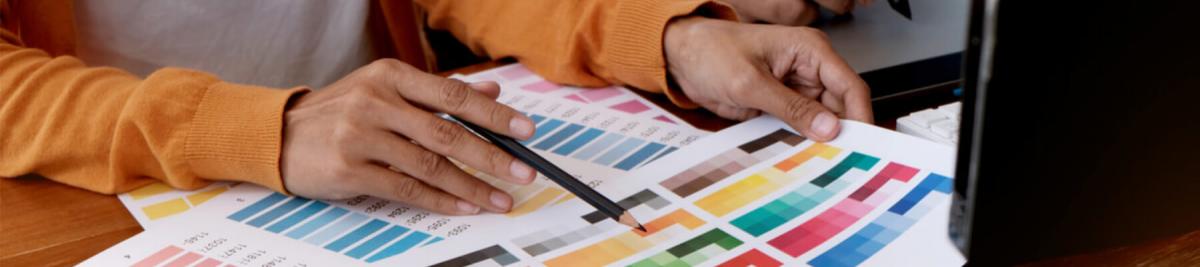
[(375, 132)]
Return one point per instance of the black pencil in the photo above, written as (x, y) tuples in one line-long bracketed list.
[(562, 178)]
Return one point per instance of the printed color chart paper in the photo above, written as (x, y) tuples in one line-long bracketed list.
[(156, 201), (753, 194), (599, 145)]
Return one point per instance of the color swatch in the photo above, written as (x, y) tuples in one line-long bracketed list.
[(731, 161), (629, 242), (592, 144), (333, 228), (753, 257), (172, 256), (804, 198), (836, 219), (175, 205), (888, 226), (762, 183), (694, 251), (541, 242), (495, 254)]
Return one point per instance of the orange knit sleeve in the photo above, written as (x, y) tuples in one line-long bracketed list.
[(580, 42), (108, 131)]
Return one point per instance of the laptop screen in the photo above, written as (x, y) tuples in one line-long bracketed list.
[(1081, 128)]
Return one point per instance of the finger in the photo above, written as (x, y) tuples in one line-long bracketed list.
[(804, 114), (456, 98), (846, 87), (384, 183), (452, 140), (837, 6), (435, 170), (489, 88)]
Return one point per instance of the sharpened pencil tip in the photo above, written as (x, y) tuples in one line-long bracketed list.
[(628, 220)]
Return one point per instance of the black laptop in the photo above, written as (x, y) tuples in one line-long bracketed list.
[(1080, 130)]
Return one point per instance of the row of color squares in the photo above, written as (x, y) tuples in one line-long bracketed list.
[(172, 256), (172, 206), (332, 228), (632, 106), (608, 149)]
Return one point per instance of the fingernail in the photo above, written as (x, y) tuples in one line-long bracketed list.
[(501, 200), (521, 127), (467, 207), (522, 172), (823, 124)]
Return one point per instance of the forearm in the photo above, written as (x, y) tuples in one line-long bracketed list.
[(586, 42), (108, 131)]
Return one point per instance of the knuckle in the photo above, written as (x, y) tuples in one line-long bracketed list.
[(499, 160), (407, 189), (346, 134), (454, 96), (797, 108), (445, 134), (742, 85), (429, 165)]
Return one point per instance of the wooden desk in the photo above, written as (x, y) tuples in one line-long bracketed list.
[(43, 223)]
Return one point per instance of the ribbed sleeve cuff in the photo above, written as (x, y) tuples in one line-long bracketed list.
[(637, 41), (237, 134)]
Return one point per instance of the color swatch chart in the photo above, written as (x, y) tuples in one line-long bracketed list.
[(754, 194), (516, 77), (156, 201), (336, 229)]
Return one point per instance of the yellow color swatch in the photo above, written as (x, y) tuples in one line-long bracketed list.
[(762, 183), (816, 150), (565, 199), (165, 208), (200, 198), (537, 201), (625, 244), (150, 190)]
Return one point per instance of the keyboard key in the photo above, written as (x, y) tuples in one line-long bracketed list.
[(945, 128), (926, 118)]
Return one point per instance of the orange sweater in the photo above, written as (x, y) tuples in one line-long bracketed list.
[(108, 131)]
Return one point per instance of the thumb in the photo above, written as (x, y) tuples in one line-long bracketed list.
[(804, 114)]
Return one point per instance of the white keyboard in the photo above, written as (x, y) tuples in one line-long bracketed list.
[(935, 124)]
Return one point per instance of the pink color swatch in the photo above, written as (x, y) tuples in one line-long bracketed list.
[(158, 257), (664, 119), (576, 98), (631, 107), (515, 73), (824, 226), (184, 261), (208, 263), (596, 95), (541, 87)]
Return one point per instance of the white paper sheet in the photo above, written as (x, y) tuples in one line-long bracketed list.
[(821, 225)]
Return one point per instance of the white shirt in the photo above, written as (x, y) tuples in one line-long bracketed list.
[(275, 43)]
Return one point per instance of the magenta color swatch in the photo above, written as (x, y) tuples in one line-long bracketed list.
[(576, 98), (541, 87), (631, 107), (664, 119)]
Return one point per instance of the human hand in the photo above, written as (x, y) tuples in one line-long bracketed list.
[(789, 12), (374, 132), (739, 70)]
